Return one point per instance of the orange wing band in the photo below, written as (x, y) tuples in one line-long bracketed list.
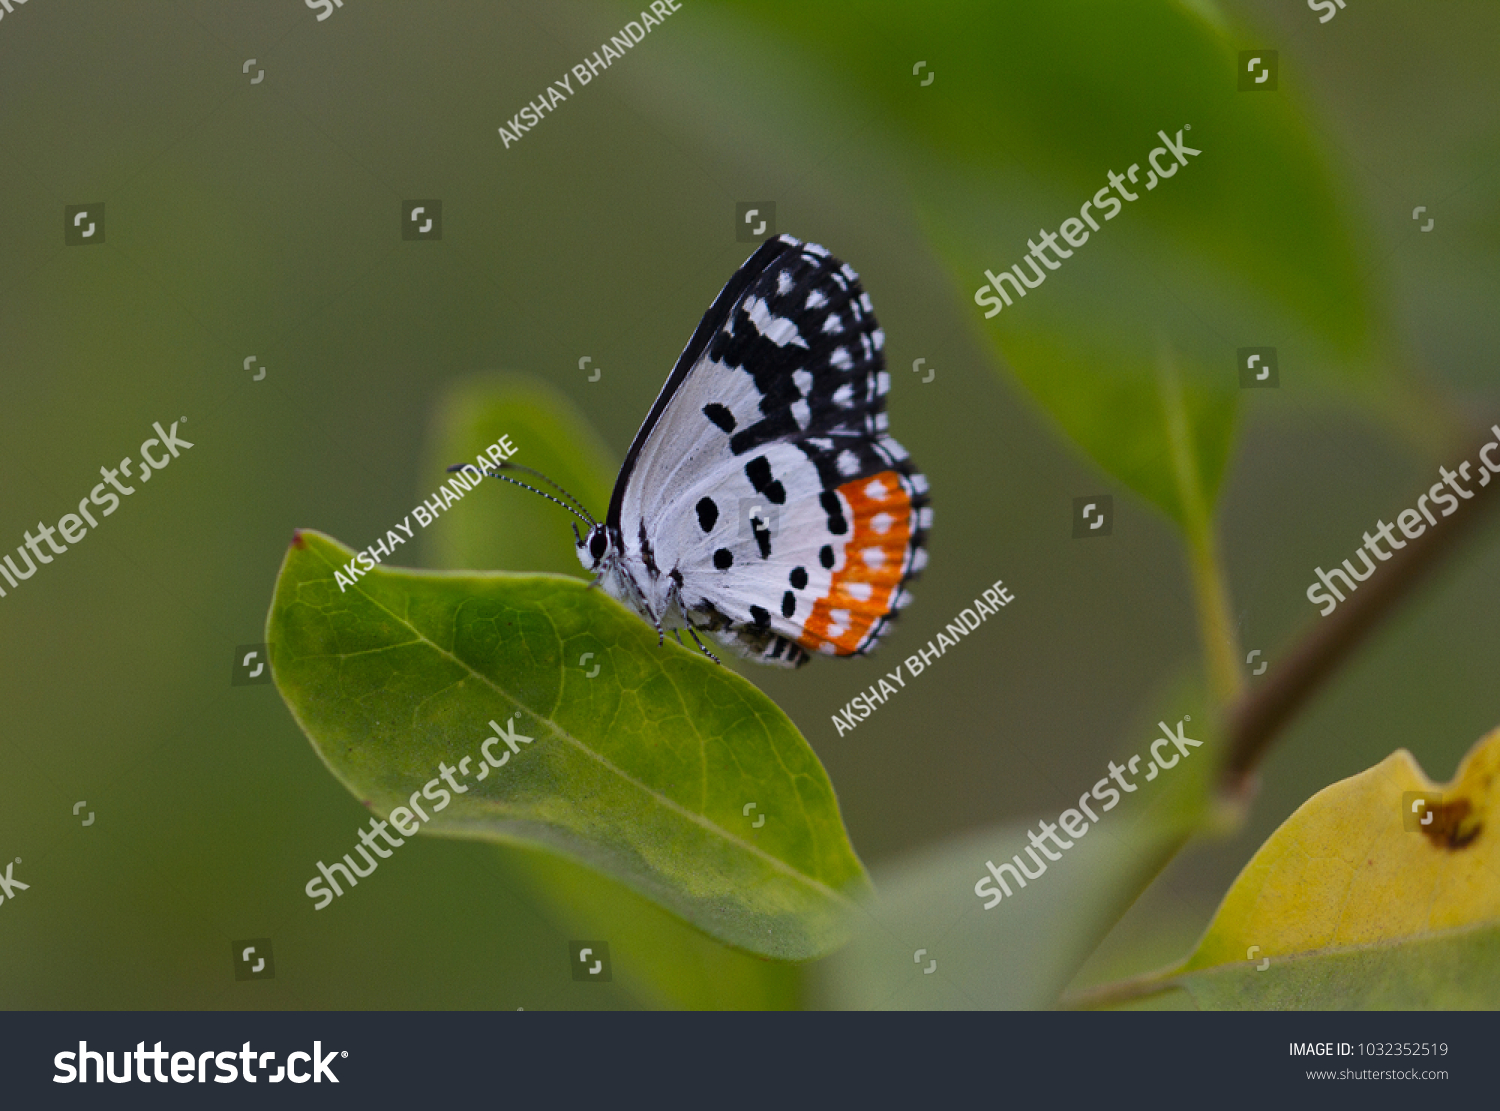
[(874, 561)]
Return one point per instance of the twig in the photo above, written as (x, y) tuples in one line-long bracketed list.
[(1257, 717)]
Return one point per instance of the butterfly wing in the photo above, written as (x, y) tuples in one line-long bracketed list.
[(764, 483)]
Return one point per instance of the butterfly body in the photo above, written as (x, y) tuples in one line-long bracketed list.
[(763, 500)]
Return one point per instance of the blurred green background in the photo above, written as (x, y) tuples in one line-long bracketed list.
[(264, 220)]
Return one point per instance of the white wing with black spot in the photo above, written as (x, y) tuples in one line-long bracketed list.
[(749, 486)]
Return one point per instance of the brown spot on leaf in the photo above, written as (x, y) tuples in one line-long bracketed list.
[(297, 541), (1453, 827)]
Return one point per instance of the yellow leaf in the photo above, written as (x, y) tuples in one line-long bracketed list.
[(1382, 857)]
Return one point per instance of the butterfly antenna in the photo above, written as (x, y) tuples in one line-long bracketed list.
[(581, 513), (518, 467)]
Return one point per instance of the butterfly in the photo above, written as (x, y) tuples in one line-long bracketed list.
[(763, 500)]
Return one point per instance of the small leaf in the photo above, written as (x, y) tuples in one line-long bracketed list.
[(643, 771), (1019, 955), (1354, 903), (1022, 952)]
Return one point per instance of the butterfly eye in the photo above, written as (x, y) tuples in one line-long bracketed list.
[(598, 545)]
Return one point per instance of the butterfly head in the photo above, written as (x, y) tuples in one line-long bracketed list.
[(593, 547)]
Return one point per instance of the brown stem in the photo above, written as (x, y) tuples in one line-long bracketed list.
[(1256, 718)]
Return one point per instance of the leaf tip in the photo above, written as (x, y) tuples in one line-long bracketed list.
[(297, 541)]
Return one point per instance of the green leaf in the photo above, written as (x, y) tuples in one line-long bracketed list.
[(657, 956), (1023, 951), (1028, 108), (1018, 956), (643, 771)]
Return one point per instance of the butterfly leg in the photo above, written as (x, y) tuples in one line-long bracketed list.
[(706, 652)]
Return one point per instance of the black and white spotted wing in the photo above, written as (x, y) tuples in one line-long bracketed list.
[(763, 498)]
